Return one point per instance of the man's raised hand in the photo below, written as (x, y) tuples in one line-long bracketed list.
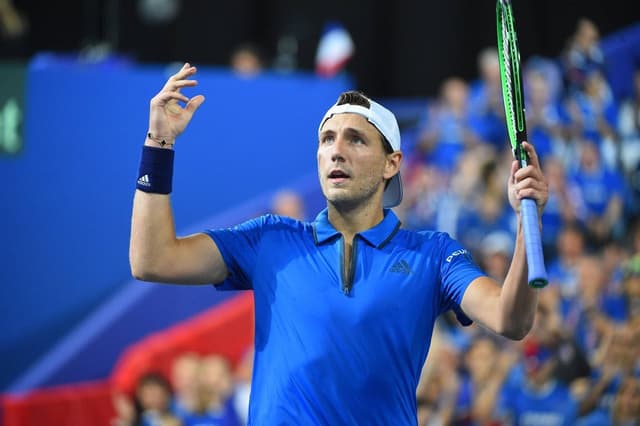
[(167, 118)]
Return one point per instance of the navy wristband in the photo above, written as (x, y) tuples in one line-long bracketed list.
[(155, 174)]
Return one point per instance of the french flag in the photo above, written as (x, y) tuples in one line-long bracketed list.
[(334, 49)]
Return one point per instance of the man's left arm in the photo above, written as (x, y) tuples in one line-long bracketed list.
[(509, 309)]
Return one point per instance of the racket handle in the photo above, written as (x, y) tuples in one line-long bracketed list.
[(533, 244)]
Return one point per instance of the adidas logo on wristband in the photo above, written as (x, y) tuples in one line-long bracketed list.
[(144, 181), (156, 162)]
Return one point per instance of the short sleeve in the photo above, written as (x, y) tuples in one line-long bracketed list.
[(239, 246), (457, 271)]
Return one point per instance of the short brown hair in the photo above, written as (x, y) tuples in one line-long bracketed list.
[(354, 97)]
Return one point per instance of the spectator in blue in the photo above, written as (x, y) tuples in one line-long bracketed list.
[(496, 249), (485, 101), (544, 123), (184, 378), (486, 368), (422, 198), (594, 114), (541, 399), (614, 255), (624, 410), (582, 54), (628, 126), (562, 208), (345, 306), (447, 131), (549, 330), (215, 390), (447, 197), (490, 213), (563, 268), (602, 191), (594, 312), (615, 365), (153, 397)]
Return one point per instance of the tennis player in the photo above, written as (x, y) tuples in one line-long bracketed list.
[(345, 305)]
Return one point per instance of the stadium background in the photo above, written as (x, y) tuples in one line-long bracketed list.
[(66, 192)]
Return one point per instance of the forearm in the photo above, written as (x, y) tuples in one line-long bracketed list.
[(152, 234), (518, 301)]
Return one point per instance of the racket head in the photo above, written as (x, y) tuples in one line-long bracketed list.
[(512, 94), (511, 79)]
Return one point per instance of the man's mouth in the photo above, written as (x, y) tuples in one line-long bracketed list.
[(337, 176)]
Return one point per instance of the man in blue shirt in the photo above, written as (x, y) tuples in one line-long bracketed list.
[(344, 305)]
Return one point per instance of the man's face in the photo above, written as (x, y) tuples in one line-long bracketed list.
[(352, 163)]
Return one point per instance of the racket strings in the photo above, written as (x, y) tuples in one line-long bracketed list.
[(515, 76), (508, 80)]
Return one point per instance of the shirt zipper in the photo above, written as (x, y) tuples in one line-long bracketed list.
[(348, 271)]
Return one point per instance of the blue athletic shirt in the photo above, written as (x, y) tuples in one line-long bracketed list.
[(329, 354)]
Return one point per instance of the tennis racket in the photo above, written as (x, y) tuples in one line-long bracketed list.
[(514, 116)]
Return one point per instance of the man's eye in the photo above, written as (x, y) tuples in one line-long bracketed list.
[(357, 140), (327, 139)]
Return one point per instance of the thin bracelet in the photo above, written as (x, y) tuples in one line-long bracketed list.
[(159, 141)]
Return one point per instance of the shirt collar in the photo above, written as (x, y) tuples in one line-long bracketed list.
[(377, 236)]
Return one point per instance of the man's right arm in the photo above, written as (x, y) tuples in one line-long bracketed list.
[(155, 252)]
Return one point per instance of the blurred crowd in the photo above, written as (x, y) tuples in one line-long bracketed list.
[(580, 365), (201, 390)]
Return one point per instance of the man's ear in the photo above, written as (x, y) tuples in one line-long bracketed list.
[(393, 164)]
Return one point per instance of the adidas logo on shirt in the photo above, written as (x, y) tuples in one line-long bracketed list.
[(144, 181), (401, 267)]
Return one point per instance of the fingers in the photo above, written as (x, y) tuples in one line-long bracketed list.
[(533, 155), (180, 79), (176, 85), (165, 97), (194, 103), (184, 72), (533, 169), (528, 172), (515, 166), (529, 181), (529, 188), (170, 93)]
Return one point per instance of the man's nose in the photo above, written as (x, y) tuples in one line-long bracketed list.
[(338, 148)]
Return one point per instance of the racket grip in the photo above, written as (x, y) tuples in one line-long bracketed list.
[(533, 244)]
